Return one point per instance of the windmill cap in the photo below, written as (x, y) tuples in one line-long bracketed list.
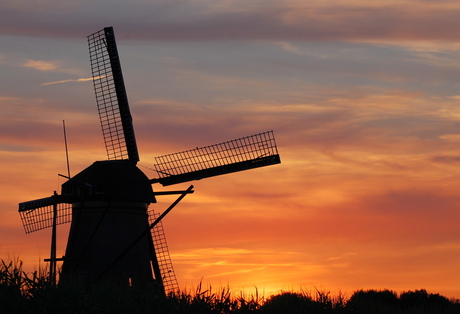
[(117, 180)]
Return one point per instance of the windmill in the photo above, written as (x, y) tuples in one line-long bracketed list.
[(113, 235)]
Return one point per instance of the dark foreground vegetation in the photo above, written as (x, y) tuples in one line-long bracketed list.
[(22, 292)]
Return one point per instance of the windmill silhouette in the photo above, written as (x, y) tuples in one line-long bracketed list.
[(113, 235)]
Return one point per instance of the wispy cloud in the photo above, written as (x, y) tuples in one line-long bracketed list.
[(238, 271), (289, 47), (41, 65), (69, 80), (54, 66), (83, 79), (446, 159)]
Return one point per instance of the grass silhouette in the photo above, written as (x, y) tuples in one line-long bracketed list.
[(22, 292)]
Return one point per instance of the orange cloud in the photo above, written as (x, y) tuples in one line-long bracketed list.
[(41, 65), (72, 80)]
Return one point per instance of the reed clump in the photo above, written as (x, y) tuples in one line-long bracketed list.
[(22, 292)]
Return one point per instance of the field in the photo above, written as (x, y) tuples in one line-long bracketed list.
[(22, 292)]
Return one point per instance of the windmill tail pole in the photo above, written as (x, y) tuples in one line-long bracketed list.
[(146, 231), (53, 244)]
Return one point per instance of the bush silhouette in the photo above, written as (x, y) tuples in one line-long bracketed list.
[(422, 301), (292, 303), (372, 301)]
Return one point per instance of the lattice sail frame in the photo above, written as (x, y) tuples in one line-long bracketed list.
[(162, 253), (38, 214), (111, 97), (245, 153)]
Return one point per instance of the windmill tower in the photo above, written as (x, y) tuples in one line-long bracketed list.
[(113, 235)]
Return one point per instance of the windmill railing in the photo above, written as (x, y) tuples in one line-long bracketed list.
[(245, 153)]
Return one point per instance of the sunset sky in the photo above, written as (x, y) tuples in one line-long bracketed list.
[(363, 98)]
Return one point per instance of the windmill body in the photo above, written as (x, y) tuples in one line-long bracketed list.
[(107, 219), (113, 236)]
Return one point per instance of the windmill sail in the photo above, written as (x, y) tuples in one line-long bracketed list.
[(168, 276), (38, 214), (111, 97), (245, 153)]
